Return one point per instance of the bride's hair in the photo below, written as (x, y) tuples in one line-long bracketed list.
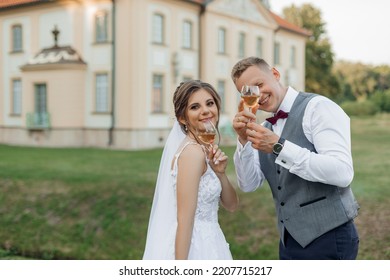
[(183, 93)]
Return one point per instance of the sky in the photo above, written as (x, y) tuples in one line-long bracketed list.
[(359, 30)]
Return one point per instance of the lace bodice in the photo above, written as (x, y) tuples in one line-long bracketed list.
[(208, 194)]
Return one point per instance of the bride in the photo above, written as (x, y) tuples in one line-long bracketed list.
[(191, 184)]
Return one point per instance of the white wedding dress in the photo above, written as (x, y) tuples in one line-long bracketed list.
[(208, 241)]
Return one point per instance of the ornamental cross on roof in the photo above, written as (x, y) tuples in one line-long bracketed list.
[(55, 32), (54, 55)]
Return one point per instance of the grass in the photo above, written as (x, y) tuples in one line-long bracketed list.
[(95, 203)]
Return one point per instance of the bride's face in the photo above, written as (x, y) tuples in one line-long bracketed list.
[(201, 108)]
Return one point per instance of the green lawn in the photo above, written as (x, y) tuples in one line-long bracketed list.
[(95, 203)]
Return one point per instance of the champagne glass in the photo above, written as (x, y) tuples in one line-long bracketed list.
[(208, 134), (250, 95)]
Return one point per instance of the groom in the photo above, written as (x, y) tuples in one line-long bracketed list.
[(304, 152)]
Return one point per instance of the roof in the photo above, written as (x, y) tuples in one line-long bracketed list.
[(55, 56), (197, 1), (284, 24), (15, 3)]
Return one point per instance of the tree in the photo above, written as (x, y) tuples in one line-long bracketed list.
[(319, 55), (382, 75), (360, 78)]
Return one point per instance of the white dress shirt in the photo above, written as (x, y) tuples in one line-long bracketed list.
[(326, 126)]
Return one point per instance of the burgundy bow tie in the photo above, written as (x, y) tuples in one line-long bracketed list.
[(279, 115)]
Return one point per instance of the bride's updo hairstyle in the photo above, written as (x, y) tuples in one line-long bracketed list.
[(183, 93)]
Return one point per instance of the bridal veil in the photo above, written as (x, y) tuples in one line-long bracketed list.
[(160, 240)]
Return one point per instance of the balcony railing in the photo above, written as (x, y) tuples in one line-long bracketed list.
[(38, 120)]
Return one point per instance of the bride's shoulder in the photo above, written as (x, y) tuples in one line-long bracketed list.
[(192, 158), (191, 150)]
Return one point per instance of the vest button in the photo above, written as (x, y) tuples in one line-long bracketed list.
[(279, 187), (278, 171), (281, 221), (282, 203)]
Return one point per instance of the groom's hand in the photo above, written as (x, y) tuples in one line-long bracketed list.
[(263, 139), (241, 120)]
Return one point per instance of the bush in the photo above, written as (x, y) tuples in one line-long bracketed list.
[(382, 100), (363, 108)]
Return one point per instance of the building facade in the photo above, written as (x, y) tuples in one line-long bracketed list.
[(99, 73)]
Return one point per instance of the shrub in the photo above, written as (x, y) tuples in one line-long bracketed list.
[(382, 100), (363, 108)]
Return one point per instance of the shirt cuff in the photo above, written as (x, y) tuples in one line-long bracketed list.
[(286, 157), (243, 150)]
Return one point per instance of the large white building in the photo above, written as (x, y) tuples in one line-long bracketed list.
[(102, 73)]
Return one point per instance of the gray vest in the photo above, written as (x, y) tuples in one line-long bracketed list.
[(306, 209)]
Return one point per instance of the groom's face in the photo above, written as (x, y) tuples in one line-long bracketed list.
[(271, 92)]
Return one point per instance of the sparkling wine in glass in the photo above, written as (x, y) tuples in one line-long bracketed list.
[(250, 95), (208, 134)]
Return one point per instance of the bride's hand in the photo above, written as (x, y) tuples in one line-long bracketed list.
[(218, 160)]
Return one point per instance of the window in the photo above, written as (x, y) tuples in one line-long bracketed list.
[(277, 54), (259, 47), (241, 45), (221, 40), (101, 27), (40, 99), (40, 116), (101, 101), (187, 34), (17, 97), (157, 94), (221, 92), (17, 38), (293, 57), (158, 29)]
